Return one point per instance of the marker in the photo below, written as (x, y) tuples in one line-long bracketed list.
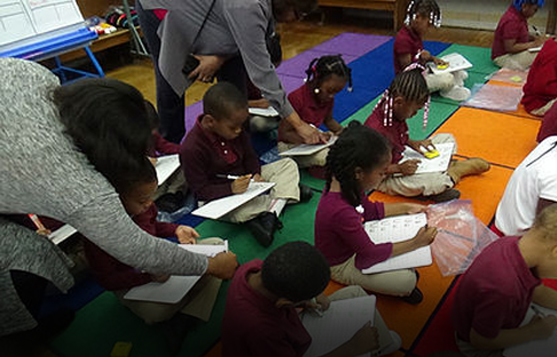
[(317, 310), (537, 311), (229, 177), (316, 128), (36, 221), (538, 33)]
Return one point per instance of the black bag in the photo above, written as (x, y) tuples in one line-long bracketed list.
[(274, 48)]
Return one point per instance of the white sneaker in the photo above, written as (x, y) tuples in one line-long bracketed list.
[(397, 343), (457, 93)]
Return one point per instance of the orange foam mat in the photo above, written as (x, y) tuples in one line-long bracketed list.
[(499, 138)]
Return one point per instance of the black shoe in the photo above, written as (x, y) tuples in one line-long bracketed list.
[(175, 331), (263, 227), (306, 193), (414, 298), (450, 194)]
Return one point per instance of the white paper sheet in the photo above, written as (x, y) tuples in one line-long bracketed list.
[(398, 229), (306, 149), (437, 164), (338, 324), (62, 233), (456, 61), (267, 112), (165, 166), (176, 287), (539, 348), (217, 208)]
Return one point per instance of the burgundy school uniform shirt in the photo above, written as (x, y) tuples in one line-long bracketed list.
[(397, 134), (304, 103), (499, 300), (160, 146), (541, 85), (407, 41), (512, 26), (339, 231), (549, 124), (253, 326), (204, 156), (112, 274)]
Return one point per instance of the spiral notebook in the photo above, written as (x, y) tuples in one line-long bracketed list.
[(398, 229)]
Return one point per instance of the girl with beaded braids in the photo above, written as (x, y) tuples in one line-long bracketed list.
[(314, 102), (421, 16), (357, 163), (512, 40), (407, 94)]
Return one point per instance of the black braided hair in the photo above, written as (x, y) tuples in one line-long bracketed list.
[(426, 8), (321, 68), (357, 146)]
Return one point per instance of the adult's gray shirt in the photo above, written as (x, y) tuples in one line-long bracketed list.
[(42, 172), (232, 27)]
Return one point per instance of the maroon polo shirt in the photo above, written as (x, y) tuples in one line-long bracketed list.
[(489, 303), (407, 41), (160, 146), (549, 124), (304, 103), (253, 326), (112, 274), (541, 85), (512, 26), (204, 155), (339, 231), (397, 134)]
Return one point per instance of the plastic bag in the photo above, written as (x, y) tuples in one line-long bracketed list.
[(494, 97), (510, 76), (460, 238)]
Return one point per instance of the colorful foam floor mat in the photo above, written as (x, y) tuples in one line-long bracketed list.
[(424, 328)]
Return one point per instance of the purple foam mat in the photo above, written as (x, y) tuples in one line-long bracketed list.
[(290, 83), (297, 65), (354, 44), (192, 112)]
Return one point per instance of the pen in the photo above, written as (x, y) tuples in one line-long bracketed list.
[(316, 309), (538, 33), (537, 311), (316, 128), (36, 221), (229, 177)]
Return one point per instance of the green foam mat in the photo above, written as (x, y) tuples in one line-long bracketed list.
[(480, 57), (104, 321)]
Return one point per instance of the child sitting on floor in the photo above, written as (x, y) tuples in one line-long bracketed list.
[(314, 101), (421, 15), (261, 318), (357, 163), (496, 291), (136, 192), (407, 94), (217, 147), (512, 39), (540, 90), (169, 195)]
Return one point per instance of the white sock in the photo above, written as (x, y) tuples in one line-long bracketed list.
[(277, 205)]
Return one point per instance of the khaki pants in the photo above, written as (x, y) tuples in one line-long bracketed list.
[(540, 112), (175, 183), (396, 283), (420, 184), (284, 173), (354, 291), (519, 61), (317, 159), (470, 351), (198, 302)]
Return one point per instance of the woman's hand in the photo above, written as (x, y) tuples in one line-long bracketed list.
[(208, 66)]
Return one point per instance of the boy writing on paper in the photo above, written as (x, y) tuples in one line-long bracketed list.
[(261, 317), (421, 16), (136, 192), (314, 102), (512, 39), (217, 147), (489, 308), (540, 90)]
